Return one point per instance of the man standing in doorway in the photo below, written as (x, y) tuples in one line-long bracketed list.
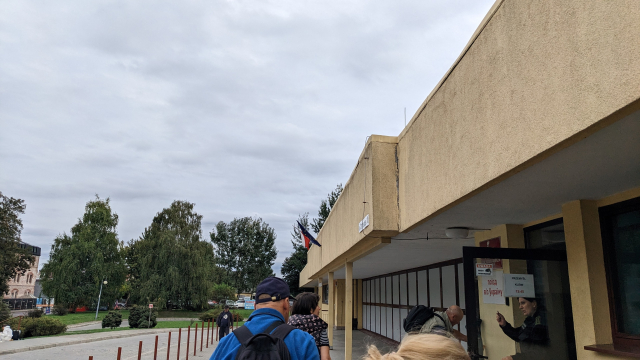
[(224, 321)]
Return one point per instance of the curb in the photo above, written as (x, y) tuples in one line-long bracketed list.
[(72, 326), (82, 341)]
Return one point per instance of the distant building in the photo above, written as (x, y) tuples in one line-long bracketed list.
[(23, 286)]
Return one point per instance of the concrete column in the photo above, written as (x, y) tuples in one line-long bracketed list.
[(331, 309), (585, 261), (348, 311), (359, 303)]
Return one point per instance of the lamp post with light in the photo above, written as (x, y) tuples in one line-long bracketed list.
[(99, 295)]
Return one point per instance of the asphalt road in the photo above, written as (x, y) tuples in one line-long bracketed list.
[(108, 349)]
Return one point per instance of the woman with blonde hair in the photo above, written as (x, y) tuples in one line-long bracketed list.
[(422, 347)]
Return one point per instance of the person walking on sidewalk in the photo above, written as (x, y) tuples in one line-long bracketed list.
[(224, 320)]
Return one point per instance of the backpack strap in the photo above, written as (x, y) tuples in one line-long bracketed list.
[(440, 317), (243, 334), (282, 331)]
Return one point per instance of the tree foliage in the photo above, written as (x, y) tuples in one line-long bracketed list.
[(293, 265), (221, 292), (245, 250), (325, 208), (170, 263), (14, 259), (79, 263)]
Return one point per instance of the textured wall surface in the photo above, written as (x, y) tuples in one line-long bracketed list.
[(537, 74)]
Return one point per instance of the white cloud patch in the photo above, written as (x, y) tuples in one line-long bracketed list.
[(246, 108)]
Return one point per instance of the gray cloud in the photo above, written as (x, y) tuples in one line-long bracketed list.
[(244, 108)]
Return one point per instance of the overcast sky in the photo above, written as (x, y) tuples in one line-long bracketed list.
[(245, 108)]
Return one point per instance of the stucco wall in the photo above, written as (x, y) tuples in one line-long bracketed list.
[(539, 73), (375, 173)]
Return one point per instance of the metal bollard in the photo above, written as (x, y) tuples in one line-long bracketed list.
[(179, 338), (201, 334), (195, 341), (119, 353), (140, 350), (188, 337), (155, 350), (90, 357), (208, 330), (169, 345)]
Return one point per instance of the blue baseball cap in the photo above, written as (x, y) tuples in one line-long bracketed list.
[(274, 287)]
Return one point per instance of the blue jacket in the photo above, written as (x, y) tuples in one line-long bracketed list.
[(301, 345)]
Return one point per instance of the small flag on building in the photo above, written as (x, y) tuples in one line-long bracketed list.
[(307, 237)]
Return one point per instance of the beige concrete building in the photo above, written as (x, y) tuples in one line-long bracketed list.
[(526, 156), (23, 286)]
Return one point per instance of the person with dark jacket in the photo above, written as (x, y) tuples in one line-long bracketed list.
[(224, 320), (533, 335), (305, 316)]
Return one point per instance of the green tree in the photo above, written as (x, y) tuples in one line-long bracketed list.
[(245, 250), (14, 259), (80, 262), (294, 263), (325, 208), (170, 263), (221, 292)]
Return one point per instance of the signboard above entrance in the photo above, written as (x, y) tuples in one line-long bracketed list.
[(519, 285)]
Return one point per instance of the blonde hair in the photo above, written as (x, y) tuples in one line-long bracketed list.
[(422, 347)]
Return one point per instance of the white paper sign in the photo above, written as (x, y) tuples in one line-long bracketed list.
[(364, 223), (519, 285), (493, 288), (484, 269)]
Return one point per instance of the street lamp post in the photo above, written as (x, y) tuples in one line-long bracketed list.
[(99, 295)]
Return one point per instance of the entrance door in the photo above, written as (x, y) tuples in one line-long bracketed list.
[(528, 291)]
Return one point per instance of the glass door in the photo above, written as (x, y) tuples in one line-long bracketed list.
[(518, 303)]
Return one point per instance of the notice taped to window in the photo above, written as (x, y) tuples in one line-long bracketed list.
[(519, 285), (493, 288)]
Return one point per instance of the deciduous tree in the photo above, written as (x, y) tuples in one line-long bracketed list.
[(325, 208), (245, 250), (80, 262), (14, 259), (171, 263)]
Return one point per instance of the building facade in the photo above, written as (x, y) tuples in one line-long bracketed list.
[(524, 159), (23, 285)]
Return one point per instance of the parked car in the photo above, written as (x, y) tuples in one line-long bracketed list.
[(239, 304), (231, 304)]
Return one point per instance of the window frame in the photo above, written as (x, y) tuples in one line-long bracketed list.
[(606, 214)]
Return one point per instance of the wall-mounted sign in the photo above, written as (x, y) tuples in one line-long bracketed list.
[(492, 243), (484, 269), (493, 288), (519, 285), (364, 223), (249, 304)]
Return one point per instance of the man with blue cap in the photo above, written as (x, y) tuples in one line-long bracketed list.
[(270, 316)]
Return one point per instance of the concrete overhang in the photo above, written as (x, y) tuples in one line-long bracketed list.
[(372, 193), (600, 162)]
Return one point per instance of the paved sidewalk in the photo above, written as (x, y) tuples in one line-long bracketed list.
[(12, 347), (361, 342)]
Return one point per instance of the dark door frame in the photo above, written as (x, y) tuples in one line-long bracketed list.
[(469, 254)]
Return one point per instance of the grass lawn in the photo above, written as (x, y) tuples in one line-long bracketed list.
[(82, 317), (161, 325)]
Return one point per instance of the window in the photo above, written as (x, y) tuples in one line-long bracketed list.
[(325, 294), (14, 293), (620, 225)]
